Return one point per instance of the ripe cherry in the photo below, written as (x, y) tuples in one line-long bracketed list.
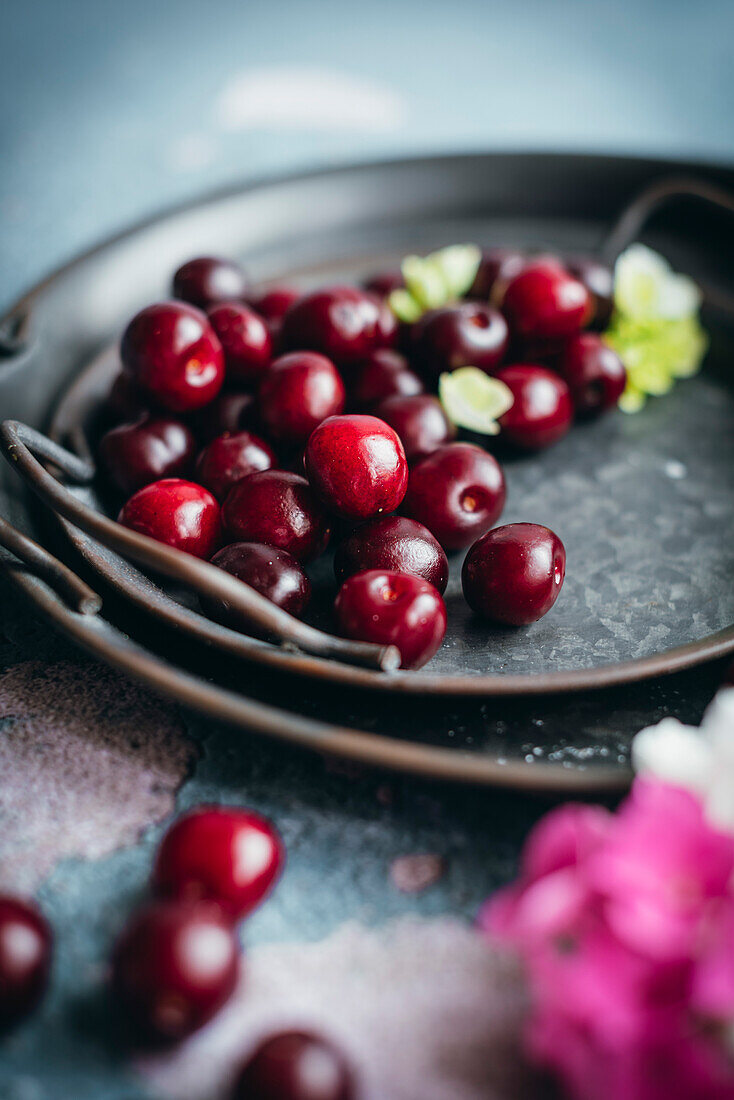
[(280, 509), (245, 341), (342, 322), (544, 300), (384, 373), (542, 411), (179, 513), (295, 1065), (133, 455), (297, 393), (357, 466), (126, 401), (231, 412), (514, 573), (594, 373), (229, 458), (599, 281), (458, 493), (419, 421), (394, 543), (465, 334), (391, 608), (274, 302), (382, 283), (174, 966), (222, 854), (209, 279), (496, 267), (173, 354), (271, 572), (25, 958)]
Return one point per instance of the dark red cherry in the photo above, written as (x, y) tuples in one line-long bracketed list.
[(599, 281), (728, 680), (222, 854), (542, 411), (133, 455), (496, 267), (25, 958), (544, 300), (357, 466), (420, 422), (458, 493), (230, 458), (126, 401), (465, 334), (514, 573), (395, 543), (245, 341), (180, 513), (231, 412), (274, 302), (174, 966), (209, 279), (384, 373), (174, 355), (280, 509), (342, 322), (391, 608), (297, 393), (382, 283), (271, 572), (594, 373), (295, 1065)]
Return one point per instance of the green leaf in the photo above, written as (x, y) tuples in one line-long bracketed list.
[(404, 306), (435, 280), (474, 400)]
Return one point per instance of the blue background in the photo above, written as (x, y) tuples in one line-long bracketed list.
[(109, 111)]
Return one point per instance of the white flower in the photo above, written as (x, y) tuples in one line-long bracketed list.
[(646, 288)]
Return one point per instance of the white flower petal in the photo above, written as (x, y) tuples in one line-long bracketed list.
[(675, 754)]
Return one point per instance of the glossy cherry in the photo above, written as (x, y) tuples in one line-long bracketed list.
[(229, 458), (298, 392), (542, 411), (342, 322), (496, 267), (545, 300), (277, 508), (514, 573), (174, 966), (391, 608), (245, 341), (420, 422), (356, 464), (209, 279), (395, 543), (458, 493), (133, 455), (384, 373), (173, 354), (25, 958), (232, 411), (179, 513), (465, 334), (126, 401), (599, 281), (274, 302), (594, 373), (273, 573), (222, 854), (383, 283), (295, 1065)]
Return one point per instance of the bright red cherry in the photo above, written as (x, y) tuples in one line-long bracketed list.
[(295, 1065), (342, 322), (274, 302), (174, 355), (357, 466), (230, 458), (209, 279), (382, 283), (222, 854), (271, 572), (384, 373), (25, 958), (514, 573), (545, 300), (133, 455), (420, 422), (594, 373), (542, 411), (280, 509), (465, 334), (391, 608), (496, 267), (174, 966), (126, 401), (231, 412), (297, 393), (395, 543), (458, 493), (245, 341), (599, 281), (180, 513)]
